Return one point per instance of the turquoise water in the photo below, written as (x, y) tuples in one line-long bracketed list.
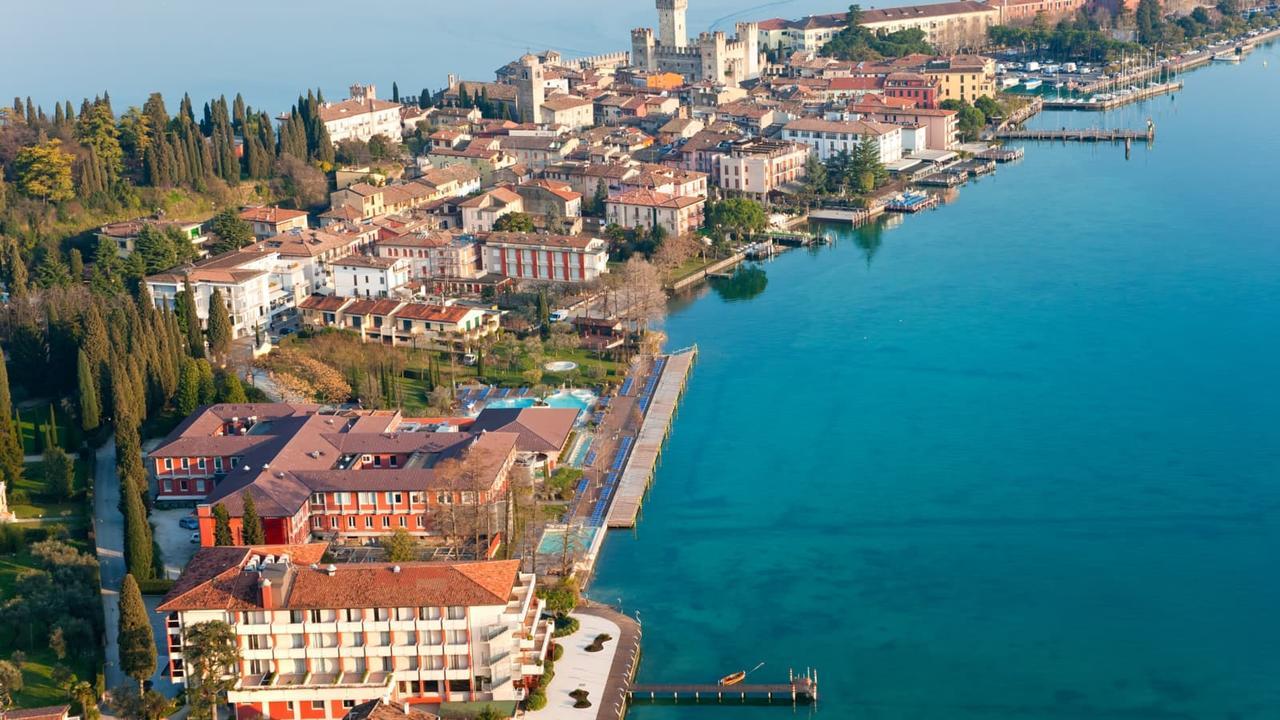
[(1015, 458)]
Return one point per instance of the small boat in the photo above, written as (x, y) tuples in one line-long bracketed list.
[(734, 678), (1032, 84)]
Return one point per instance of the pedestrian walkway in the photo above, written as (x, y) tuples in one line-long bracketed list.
[(604, 675)]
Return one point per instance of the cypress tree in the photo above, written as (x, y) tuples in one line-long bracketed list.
[(188, 398), (90, 410), (137, 644), (76, 265), (190, 320), (208, 389), (51, 430), (10, 432), (222, 526), (395, 92), (137, 533), (231, 391), (251, 532), (219, 325)]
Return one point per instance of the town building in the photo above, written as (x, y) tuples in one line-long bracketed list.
[(755, 168), (546, 256), (356, 476), (367, 200), (643, 209), (361, 117), (479, 213), (963, 77), (709, 56), (570, 111), (451, 327), (317, 640), (268, 221), (243, 277), (948, 26), (921, 90), (436, 255), (125, 234), (832, 137), (1024, 12), (369, 276), (312, 250), (941, 126)]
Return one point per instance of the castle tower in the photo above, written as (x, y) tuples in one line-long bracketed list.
[(642, 50), (531, 90), (749, 36), (672, 31), (364, 93)]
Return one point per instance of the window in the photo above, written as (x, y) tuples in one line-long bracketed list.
[(315, 616), (457, 613), (168, 463), (381, 614), (393, 464), (404, 613), (429, 613), (377, 461), (257, 642), (420, 521), (317, 498), (348, 704), (342, 498), (167, 485), (457, 637), (368, 498), (235, 462), (200, 463), (351, 522), (386, 521), (183, 463), (459, 662), (352, 614), (403, 522), (217, 464), (317, 705), (368, 522)]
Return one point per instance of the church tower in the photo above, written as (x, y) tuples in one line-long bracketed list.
[(531, 90), (672, 31)]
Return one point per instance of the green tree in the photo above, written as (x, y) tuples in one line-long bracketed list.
[(44, 171), (251, 525), (156, 248), (969, 120), (208, 389), (90, 408), (219, 323), (399, 546), (137, 531), (137, 644), (11, 452), (97, 129), (739, 216), (130, 703), (600, 197), (59, 472), (210, 651), (189, 319), (514, 222), (222, 526), (230, 390), (188, 398), (232, 231), (11, 683), (84, 700)]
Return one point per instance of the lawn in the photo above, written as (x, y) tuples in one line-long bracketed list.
[(40, 501), (39, 689)]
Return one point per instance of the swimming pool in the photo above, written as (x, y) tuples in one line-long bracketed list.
[(576, 399)]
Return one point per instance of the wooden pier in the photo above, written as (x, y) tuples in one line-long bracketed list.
[(801, 689), (648, 446), (1079, 135), (1001, 155)]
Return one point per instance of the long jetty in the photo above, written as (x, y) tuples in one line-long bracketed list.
[(658, 416), (1145, 93), (1078, 135), (800, 689)]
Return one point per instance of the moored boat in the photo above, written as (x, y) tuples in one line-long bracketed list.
[(734, 678), (1032, 84)]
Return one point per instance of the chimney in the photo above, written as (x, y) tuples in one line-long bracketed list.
[(264, 590), (331, 570)]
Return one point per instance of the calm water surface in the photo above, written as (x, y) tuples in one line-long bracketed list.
[(1015, 458)]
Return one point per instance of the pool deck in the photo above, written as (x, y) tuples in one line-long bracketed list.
[(648, 446)]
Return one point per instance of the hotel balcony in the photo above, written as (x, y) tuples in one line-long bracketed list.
[(311, 686)]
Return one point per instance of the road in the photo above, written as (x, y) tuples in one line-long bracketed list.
[(108, 533), (108, 530)]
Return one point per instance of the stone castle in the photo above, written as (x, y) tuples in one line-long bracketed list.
[(709, 57)]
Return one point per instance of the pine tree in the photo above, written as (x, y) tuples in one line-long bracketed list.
[(251, 525), (137, 532), (188, 398), (219, 325), (395, 92), (90, 409), (10, 432), (59, 472), (222, 526), (137, 644)]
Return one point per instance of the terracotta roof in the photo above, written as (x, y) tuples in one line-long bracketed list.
[(367, 261), (541, 429), (369, 306), (580, 242), (564, 191), (350, 108), (273, 215), (50, 712), (915, 12), (214, 579), (856, 127), (330, 303), (557, 103), (500, 196), (377, 585), (380, 710), (308, 243), (652, 198), (433, 313)]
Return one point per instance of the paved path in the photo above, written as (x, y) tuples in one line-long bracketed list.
[(108, 533), (604, 675)]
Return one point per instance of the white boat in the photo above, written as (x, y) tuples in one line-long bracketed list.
[(1008, 82), (1228, 57), (1032, 84)]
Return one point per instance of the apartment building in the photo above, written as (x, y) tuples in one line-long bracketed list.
[(368, 276), (832, 137), (756, 167), (440, 254), (361, 117), (545, 256), (643, 209), (392, 322), (479, 213), (125, 234), (318, 640), (245, 280), (268, 221), (963, 77)]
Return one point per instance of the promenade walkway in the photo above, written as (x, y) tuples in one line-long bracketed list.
[(605, 675)]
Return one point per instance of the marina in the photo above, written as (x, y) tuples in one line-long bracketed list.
[(1080, 134)]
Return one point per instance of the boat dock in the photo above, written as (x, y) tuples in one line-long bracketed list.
[(802, 689), (660, 410), (853, 216), (1114, 101), (1080, 134), (1001, 154)]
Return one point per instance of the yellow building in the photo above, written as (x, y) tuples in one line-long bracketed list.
[(948, 26), (963, 77)]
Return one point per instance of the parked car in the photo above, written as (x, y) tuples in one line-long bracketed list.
[(559, 316), (189, 522), (195, 538)]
